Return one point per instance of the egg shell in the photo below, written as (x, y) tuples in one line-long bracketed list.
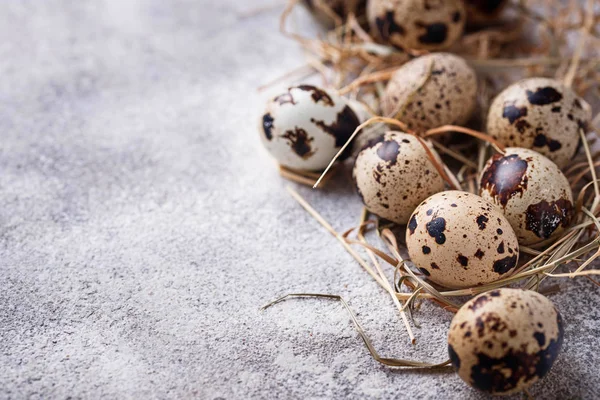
[(431, 91), (540, 114), (417, 24), (458, 240), (481, 12), (505, 340), (305, 127), (531, 190), (393, 174)]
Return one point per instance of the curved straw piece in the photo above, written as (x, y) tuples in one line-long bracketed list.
[(390, 240), (375, 250), (471, 132), (402, 126), (401, 107), (392, 362), (373, 77), (389, 288), (437, 164)]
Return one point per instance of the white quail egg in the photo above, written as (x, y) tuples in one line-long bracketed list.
[(417, 24), (305, 127), (505, 340), (532, 192), (393, 174), (431, 91), (458, 240), (540, 114)]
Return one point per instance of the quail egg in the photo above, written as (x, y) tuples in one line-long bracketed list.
[(431, 91), (540, 114), (393, 174), (481, 12), (505, 340), (458, 240), (417, 24), (531, 190), (305, 127)]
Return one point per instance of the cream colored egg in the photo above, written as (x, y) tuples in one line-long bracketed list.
[(431, 91), (540, 114), (417, 24), (458, 240), (305, 127), (532, 192), (505, 340), (393, 174)]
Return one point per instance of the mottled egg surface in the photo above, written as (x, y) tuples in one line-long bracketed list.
[(532, 192), (505, 340), (393, 174), (540, 114), (306, 126), (417, 24), (458, 240), (484, 11), (431, 91)]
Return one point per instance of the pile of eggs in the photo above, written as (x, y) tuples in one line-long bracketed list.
[(504, 340)]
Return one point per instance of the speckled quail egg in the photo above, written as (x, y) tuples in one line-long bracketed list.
[(417, 24), (505, 340), (393, 174), (340, 7), (531, 190), (540, 114), (305, 127), (431, 91), (458, 240), (484, 11)]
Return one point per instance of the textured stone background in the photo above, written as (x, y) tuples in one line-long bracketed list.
[(142, 225)]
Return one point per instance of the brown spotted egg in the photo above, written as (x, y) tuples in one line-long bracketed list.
[(480, 12), (540, 114), (532, 192), (393, 174), (305, 127), (505, 340), (459, 240), (431, 91), (417, 24)]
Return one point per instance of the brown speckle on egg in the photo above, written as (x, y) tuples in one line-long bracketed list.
[(341, 129), (318, 95), (504, 177), (540, 114), (305, 127), (416, 24), (532, 192), (545, 217), (442, 229), (268, 126), (519, 336), (299, 141), (431, 91), (390, 188)]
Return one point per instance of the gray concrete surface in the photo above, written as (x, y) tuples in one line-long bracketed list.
[(142, 225)]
